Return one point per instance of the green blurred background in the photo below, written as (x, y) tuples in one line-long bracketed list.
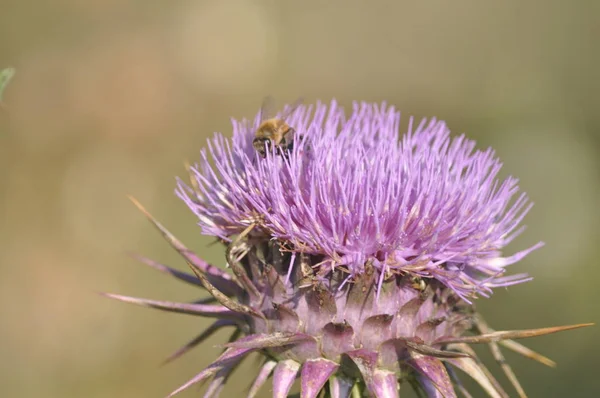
[(111, 96)]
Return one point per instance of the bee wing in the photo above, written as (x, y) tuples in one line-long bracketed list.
[(266, 109)]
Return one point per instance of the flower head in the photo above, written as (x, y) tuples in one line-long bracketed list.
[(355, 191), (355, 253)]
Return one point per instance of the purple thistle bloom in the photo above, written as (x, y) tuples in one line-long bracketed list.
[(354, 252), (355, 190)]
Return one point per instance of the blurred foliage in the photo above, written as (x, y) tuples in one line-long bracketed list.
[(113, 96), (5, 76)]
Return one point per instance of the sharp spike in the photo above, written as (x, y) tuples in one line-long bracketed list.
[(477, 370), (218, 382), (497, 355), (458, 383), (470, 367), (214, 311), (483, 327), (261, 378), (198, 339), (222, 298), (237, 268), (527, 353), (205, 300), (182, 276), (512, 334), (283, 377), (261, 341), (206, 373), (314, 375), (217, 276), (433, 352), (229, 358)]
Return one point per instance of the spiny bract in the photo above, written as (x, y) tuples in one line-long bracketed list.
[(356, 254)]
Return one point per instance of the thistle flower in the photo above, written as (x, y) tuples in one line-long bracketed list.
[(356, 254)]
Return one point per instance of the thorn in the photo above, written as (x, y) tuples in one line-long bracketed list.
[(512, 334), (237, 269), (217, 276), (222, 298)]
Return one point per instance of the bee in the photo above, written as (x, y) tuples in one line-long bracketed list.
[(274, 131)]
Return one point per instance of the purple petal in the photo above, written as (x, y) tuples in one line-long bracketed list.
[(314, 376), (283, 377), (435, 378), (376, 329), (430, 388), (321, 305), (393, 352), (428, 201), (287, 319), (407, 319), (366, 361), (340, 387), (385, 384), (337, 338)]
